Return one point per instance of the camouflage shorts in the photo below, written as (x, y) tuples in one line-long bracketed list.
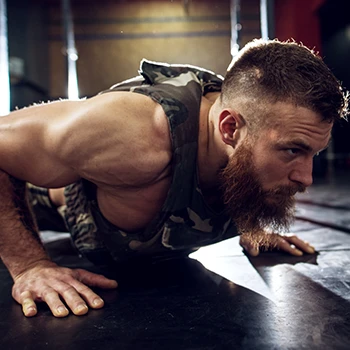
[(74, 217)]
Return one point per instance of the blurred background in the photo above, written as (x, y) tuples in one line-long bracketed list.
[(99, 43)]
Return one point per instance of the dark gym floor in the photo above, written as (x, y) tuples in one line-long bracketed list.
[(218, 299)]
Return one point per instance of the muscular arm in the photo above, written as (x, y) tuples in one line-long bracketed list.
[(36, 277), (51, 146), (20, 227)]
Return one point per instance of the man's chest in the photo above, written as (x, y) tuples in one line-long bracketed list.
[(132, 209)]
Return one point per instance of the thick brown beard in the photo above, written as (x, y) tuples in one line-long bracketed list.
[(251, 208)]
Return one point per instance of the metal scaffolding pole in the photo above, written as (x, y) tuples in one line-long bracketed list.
[(70, 50), (4, 62)]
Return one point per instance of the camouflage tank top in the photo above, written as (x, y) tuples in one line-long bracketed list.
[(185, 221)]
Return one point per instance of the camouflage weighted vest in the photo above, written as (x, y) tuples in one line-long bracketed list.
[(185, 221)]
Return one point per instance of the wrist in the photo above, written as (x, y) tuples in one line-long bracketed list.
[(19, 264), (21, 270)]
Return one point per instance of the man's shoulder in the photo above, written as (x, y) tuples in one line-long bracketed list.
[(118, 138)]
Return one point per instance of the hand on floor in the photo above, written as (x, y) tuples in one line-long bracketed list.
[(253, 244), (58, 287)]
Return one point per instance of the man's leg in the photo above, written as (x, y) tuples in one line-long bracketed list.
[(56, 196), (47, 205)]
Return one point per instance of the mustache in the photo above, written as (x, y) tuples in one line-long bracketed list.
[(286, 191)]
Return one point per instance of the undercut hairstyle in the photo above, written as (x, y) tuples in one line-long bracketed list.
[(265, 72)]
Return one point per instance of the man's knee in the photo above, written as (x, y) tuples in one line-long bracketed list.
[(45, 208), (56, 196)]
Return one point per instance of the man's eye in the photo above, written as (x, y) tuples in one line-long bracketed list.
[(293, 151)]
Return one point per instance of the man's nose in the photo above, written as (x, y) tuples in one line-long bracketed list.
[(302, 173)]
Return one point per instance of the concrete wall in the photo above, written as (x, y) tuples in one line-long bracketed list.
[(112, 38)]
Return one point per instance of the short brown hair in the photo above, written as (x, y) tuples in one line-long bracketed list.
[(270, 71)]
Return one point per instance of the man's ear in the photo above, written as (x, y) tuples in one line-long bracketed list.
[(231, 126)]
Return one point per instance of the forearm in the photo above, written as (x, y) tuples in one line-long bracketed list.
[(20, 246)]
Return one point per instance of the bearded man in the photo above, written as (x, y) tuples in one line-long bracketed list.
[(167, 162)]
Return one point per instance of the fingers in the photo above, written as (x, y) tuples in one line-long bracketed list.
[(62, 289), (91, 298), (75, 301), (28, 305), (76, 295), (55, 304), (289, 244), (288, 248), (75, 298), (247, 244), (299, 245), (95, 280)]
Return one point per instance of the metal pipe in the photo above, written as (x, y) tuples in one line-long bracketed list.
[(264, 28), (236, 27), (4, 62), (70, 50)]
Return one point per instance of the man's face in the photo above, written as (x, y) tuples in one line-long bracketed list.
[(267, 170)]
